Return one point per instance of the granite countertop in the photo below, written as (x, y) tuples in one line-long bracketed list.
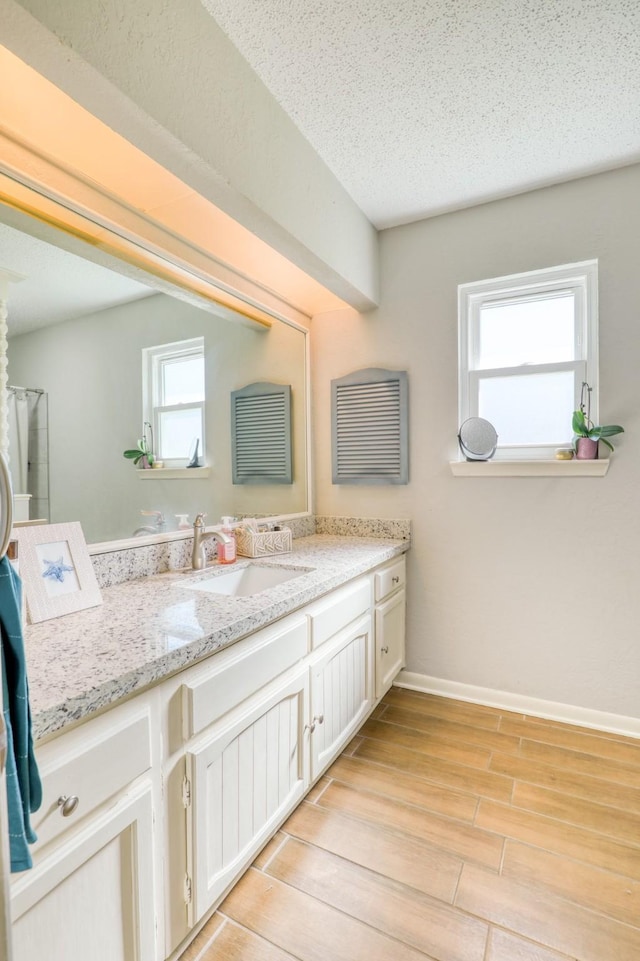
[(148, 629)]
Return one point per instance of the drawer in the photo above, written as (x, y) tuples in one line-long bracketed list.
[(390, 578), (91, 763), (238, 672), (339, 609)]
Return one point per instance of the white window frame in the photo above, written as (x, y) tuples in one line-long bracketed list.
[(581, 279), (153, 359)]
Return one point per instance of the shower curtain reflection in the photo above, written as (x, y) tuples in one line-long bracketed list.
[(18, 405), (29, 447)]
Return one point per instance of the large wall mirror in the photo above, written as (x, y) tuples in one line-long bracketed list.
[(77, 331)]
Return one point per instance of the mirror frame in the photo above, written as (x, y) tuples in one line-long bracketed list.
[(145, 262)]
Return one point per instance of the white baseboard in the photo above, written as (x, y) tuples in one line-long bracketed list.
[(520, 703)]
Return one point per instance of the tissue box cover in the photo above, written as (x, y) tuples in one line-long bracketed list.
[(267, 542)]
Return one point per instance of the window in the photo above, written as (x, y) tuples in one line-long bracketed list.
[(526, 344), (174, 396)]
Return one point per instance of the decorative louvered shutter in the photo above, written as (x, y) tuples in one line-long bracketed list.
[(261, 434), (369, 427)]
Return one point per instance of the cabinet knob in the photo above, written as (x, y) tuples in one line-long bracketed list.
[(68, 805), (310, 727), (395, 580), (384, 650), (319, 718)]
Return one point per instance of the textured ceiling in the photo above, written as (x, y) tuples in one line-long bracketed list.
[(58, 285), (423, 106)]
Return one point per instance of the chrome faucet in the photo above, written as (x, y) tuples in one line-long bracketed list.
[(198, 560), (159, 525)]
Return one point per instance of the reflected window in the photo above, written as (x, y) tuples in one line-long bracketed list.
[(527, 342), (174, 399)]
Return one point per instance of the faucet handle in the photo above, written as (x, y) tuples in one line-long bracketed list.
[(199, 521), (159, 516)]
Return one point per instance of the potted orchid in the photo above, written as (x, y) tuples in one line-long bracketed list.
[(142, 454), (586, 433)]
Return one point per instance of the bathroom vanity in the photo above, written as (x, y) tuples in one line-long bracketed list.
[(186, 729)]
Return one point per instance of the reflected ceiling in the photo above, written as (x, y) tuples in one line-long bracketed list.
[(57, 285)]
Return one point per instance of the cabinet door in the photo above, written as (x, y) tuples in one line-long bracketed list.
[(93, 896), (245, 777), (390, 631), (341, 692)]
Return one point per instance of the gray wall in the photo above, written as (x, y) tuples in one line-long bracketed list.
[(92, 371), (525, 585)]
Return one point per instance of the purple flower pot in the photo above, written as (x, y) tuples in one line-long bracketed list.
[(587, 448)]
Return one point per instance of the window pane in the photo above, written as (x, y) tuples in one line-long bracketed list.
[(182, 381), (178, 429), (529, 408), (537, 331)]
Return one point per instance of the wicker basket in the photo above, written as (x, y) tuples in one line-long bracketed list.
[(250, 544)]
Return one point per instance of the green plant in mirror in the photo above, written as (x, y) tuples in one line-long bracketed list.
[(144, 448), (583, 426)]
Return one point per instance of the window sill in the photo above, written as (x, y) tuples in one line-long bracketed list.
[(175, 473), (530, 468)]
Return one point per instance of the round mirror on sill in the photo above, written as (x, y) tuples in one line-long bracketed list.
[(477, 438)]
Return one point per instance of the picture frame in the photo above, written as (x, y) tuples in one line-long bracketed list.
[(56, 570)]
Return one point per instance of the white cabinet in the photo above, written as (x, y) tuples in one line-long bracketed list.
[(390, 596), (213, 689), (152, 810), (92, 890), (92, 896), (243, 779), (88, 766), (248, 770), (253, 763), (341, 692), (334, 612)]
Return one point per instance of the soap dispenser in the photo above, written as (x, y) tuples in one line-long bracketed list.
[(227, 552)]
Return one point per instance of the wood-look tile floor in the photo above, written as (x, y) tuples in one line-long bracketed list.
[(451, 832)]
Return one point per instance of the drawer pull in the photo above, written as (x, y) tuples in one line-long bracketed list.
[(395, 580), (310, 727), (319, 718), (68, 805), (384, 650)]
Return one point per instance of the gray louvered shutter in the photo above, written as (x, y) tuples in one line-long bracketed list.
[(261, 434), (369, 427)]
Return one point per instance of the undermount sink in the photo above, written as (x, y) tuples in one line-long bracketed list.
[(246, 581)]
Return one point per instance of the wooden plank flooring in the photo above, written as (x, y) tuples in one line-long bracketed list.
[(450, 832)]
